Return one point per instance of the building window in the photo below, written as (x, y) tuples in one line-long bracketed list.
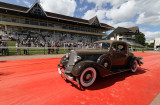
[(34, 22), (15, 20), (50, 25), (64, 27), (71, 28), (5, 18), (22, 21), (43, 24), (8, 19), (27, 21)]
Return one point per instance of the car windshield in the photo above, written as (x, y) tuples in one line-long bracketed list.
[(101, 45)]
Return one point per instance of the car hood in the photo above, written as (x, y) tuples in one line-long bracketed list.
[(91, 51)]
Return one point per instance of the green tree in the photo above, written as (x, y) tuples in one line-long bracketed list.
[(151, 45), (140, 38)]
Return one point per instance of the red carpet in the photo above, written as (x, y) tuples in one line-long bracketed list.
[(37, 82)]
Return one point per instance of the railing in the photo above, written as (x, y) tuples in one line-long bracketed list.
[(7, 51), (141, 49)]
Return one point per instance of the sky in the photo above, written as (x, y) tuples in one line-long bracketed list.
[(118, 13)]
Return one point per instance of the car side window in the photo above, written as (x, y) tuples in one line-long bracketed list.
[(121, 48), (105, 45), (118, 48)]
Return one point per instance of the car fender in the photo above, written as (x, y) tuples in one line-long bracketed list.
[(138, 60), (103, 58), (80, 67)]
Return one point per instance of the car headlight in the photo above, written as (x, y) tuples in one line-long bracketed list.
[(67, 55), (77, 58)]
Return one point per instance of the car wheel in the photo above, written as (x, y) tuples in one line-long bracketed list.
[(106, 62), (87, 77), (134, 66)]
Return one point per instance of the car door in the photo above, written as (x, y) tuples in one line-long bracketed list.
[(119, 54), (114, 54), (122, 51)]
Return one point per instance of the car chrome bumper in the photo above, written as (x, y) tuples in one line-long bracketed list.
[(64, 75)]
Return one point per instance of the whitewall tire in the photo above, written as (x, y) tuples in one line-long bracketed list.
[(134, 66), (88, 77)]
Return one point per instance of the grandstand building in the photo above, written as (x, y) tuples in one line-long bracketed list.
[(17, 22)]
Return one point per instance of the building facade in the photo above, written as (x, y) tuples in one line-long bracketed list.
[(17, 22), (149, 42), (157, 43), (124, 34)]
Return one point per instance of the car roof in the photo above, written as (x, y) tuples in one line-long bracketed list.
[(110, 41)]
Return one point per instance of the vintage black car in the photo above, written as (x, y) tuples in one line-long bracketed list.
[(105, 58)]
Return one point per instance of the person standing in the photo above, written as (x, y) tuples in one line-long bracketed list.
[(52, 49), (4, 50), (18, 49), (29, 45), (57, 48), (25, 48), (49, 48)]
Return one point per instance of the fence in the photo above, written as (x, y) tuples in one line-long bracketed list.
[(141, 49), (6, 51)]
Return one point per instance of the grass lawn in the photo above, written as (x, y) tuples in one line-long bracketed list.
[(11, 43)]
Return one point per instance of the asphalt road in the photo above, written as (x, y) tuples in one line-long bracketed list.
[(37, 82)]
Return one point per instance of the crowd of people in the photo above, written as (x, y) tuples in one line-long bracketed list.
[(50, 45), (47, 42)]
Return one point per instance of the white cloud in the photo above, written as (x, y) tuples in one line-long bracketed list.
[(121, 10), (27, 3), (17, 1), (126, 11), (82, 9), (152, 20), (151, 35), (119, 24), (91, 13), (100, 3), (149, 12), (143, 11), (125, 24), (146, 10), (117, 3), (65, 7)]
